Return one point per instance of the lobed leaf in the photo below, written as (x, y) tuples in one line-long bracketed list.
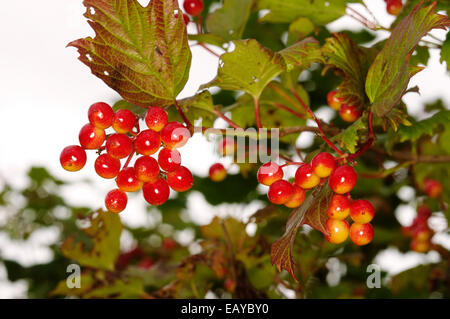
[(424, 127), (140, 52), (350, 137), (390, 73), (199, 106)]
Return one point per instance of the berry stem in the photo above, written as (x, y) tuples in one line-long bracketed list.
[(292, 163), (284, 107), (208, 49), (226, 119), (362, 19), (185, 119), (307, 108), (257, 112), (129, 159)]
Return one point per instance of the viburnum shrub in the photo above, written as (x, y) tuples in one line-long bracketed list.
[(276, 71)]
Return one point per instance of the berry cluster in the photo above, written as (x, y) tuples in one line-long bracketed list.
[(341, 179), (347, 112), (419, 231), (394, 7), (154, 177)]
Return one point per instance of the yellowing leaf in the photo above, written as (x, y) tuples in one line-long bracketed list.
[(105, 230), (302, 54), (142, 53), (390, 73)]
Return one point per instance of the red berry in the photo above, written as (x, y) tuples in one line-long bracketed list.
[(323, 164), (147, 169), (73, 158), (175, 135), (394, 7), (338, 230), (422, 233), (280, 192), (362, 211), (128, 181), (217, 172), (116, 201), (101, 115), (169, 244), (361, 234), (343, 179), (147, 142), (186, 19), (297, 198), (156, 118), (305, 177), (269, 173), (349, 113), (433, 188), (156, 193), (146, 263), (91, 137), (333, 101), (119, 146), (339, 207), (230, 285), (106, 166), (424, 212), (193, 7), (124, 121), (169, 160), (180, 180)]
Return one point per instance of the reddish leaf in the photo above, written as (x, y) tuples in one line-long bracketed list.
[(142, 53), (313, 213), (390, 73)]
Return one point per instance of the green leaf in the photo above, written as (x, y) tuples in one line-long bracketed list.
[(320, 12), (301, 54), (350, 137), (311, 212), (250, 67), (445, 51), (301, 27), (105, 229), (229, 21), (424, 127), (353, 61), (122, 104), (390, 73), (142, 53), (195, 107), (420, 56)]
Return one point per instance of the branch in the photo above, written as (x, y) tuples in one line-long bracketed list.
[(226, 119)]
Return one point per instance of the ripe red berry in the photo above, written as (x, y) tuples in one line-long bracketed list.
[(422, 233), (394, 7), (420, 246), (361, 234), (424, 212), (116, 201), (193, 7), (349, 113), (343, 179), (169, 244), (147, 169), (186, 19), (362, 211), (305, 177), (339, 207), (433, 188), (169, 160), (124, 121), (180, 180), (217, 172), (156, 193), (269, 173), (297, 198), (146, 263), (119, 146), (73, 158), (91, 137), (147, 142), (101, 115), (156, 118), (106, 166), (280, 192), (323, 164), (175, 135), (333, 101), (128, 181), (338, 230)]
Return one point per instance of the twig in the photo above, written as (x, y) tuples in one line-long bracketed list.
[(226, 119), (257, 112), (185, 119)]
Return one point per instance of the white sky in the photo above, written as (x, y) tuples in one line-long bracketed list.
[(45, 93)]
